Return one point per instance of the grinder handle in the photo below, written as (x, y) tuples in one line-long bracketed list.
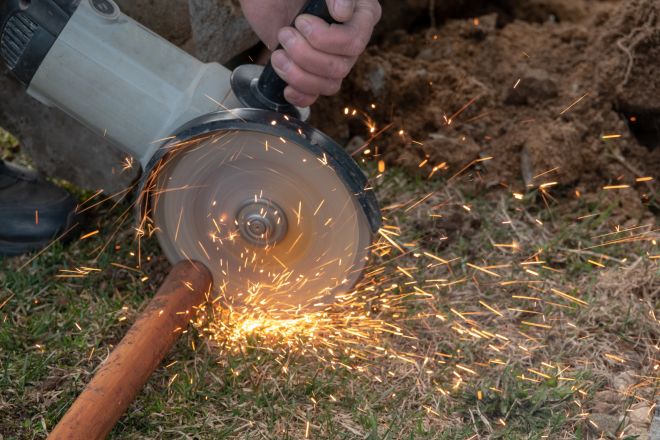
[(270, 84)]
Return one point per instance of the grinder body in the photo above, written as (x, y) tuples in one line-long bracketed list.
[(109, 72), (232, 176)]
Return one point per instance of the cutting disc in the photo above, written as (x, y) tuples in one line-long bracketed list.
[(273, 220)]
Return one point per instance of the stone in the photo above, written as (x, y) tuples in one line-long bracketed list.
[(606, 423), (640, 414), (534, 86), (219, 30), (534, 158), (455, 151), (637, 434), (167, 18), (623, 381), (606, 402), (609, 396), (655, 424)]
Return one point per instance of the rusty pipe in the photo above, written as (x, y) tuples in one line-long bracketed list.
[(123, 374)]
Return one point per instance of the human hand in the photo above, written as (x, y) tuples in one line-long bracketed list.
[(315, 56)]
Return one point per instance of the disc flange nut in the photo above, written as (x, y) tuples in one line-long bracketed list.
[(261, 222)]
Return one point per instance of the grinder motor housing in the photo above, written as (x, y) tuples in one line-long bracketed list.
[(109, 72)]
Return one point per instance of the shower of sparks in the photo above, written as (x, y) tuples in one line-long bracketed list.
[(90, 234), (378, 322), (346, 334), (382, 321), (79, 272), (399, 313), (576, 102), (128, 163)]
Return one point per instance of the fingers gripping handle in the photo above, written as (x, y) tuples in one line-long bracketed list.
[(261, 87), (270, 84)]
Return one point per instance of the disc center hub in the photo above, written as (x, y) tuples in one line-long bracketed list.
[(261, 222)]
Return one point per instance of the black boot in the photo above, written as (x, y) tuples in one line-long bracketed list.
[(33, 211)]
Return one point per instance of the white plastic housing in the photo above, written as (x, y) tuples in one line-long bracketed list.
[(127, 83)]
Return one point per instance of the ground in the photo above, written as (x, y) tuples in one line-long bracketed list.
[(514, 151)]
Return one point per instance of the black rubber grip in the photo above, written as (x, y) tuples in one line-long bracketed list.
[(271, 85)]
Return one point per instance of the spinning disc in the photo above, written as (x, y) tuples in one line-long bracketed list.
[(271, 219)]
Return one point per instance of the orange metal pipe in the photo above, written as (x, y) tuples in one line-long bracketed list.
[(121, 377)]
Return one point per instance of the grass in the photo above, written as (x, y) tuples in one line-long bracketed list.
[(8, 145), (55, 331)]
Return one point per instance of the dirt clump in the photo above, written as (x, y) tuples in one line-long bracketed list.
[(632, 73), (534, 91)]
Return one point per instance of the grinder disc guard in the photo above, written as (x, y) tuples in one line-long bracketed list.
[(278, 217)]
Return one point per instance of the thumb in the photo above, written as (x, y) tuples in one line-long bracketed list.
[(341, 10)]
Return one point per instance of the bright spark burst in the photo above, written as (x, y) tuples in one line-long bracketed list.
[(403, 296)]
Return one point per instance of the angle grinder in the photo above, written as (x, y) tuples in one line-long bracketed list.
[(232, 176)]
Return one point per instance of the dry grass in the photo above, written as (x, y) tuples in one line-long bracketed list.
[(497, 352)]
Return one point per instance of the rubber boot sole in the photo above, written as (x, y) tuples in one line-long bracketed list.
[(17, 248)]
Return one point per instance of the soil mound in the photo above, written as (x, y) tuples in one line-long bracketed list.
[(552, 90)]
